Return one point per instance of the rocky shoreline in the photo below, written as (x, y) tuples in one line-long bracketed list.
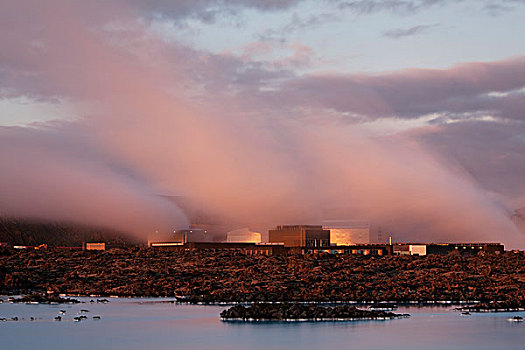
[(43, 298), (231, 277), (501, 306), (288, 312)]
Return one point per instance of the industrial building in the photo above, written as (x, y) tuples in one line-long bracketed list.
[(446, 248), (355, 249), (464, 248), (346, 232), (274, 248), (245, 248), (300, 236), (334, 237)]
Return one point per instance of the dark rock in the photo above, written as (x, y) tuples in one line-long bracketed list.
[(231, 277), (296, 312)]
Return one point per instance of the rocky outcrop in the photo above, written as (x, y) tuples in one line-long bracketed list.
[(301, 312)]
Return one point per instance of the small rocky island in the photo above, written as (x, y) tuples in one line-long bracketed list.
[(289, 312)]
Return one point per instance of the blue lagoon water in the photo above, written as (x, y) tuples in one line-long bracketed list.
[(156, 324)]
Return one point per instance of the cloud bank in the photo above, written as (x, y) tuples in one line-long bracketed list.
[(55, 174)]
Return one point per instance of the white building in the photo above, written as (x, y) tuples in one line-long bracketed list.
[(410, 249), (346, 232), (417, 249), (243, 235)]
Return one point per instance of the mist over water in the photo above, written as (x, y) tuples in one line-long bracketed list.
[(142, 135)]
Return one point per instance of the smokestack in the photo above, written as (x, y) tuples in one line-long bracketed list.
[(390, 240)]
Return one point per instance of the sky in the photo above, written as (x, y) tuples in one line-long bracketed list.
[(408, 114)]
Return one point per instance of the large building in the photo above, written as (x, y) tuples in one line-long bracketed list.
[(344, 232), (300, 236)]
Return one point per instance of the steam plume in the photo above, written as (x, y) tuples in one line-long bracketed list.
[(142, 135)]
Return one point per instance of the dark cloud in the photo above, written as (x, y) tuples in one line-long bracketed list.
[(205, 10), (396, 6), (298, 23), (496, 9), (492, 87), (410, 31), (501, 7), (407, 7), (210, 10)]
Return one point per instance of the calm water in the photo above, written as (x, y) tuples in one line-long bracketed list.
[(152, 324)]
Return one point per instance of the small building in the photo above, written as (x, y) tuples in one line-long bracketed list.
[(464, 248), (417, 249), (95, 246), (243, 235), (401, 249), (166, 245), (300, 236)]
